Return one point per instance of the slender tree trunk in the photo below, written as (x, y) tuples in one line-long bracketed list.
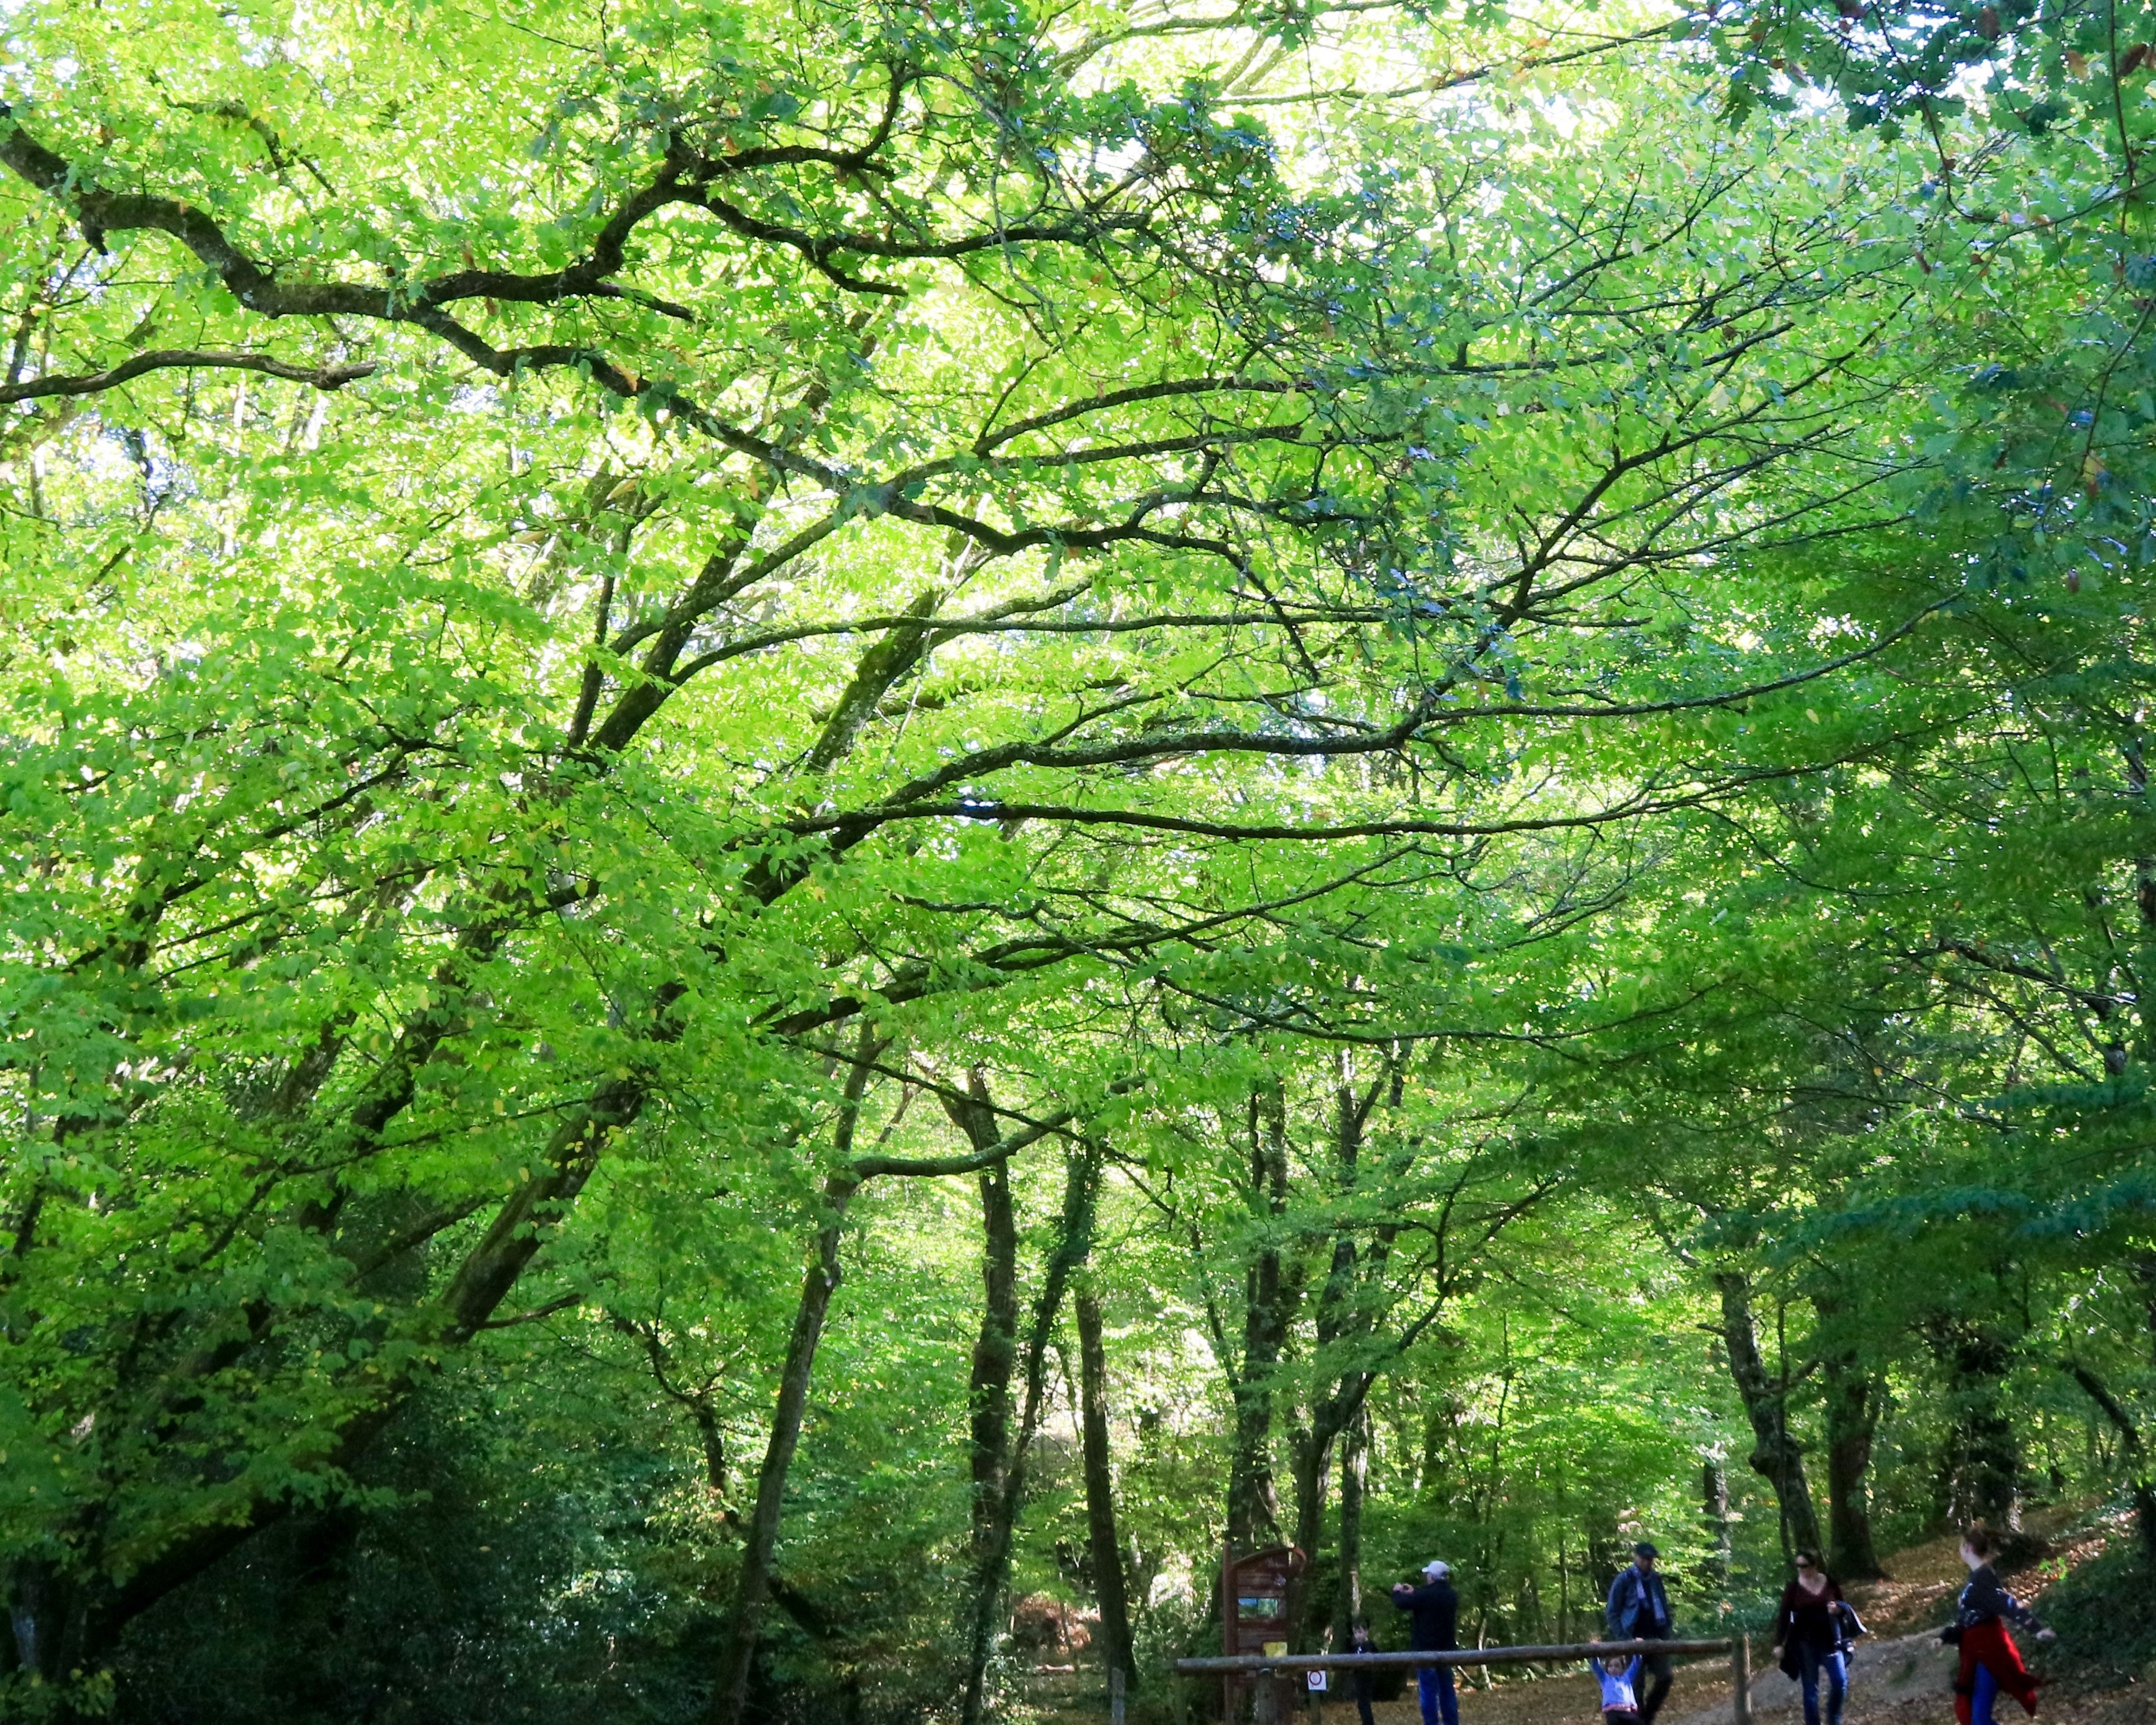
[(1438, 1421), (2144, 1273), (1269, 1296), (1776, 1455), (752, 1592), (995, 1349), (1074, 1236), (1105, 1547), (2132, 1452), (1714, 1504), (1354, 1488), (1852, 1417), (1983, 1462), (1338, 1317), (1313, 1480), (1341, 1316), (1851, 1421), (1564, 1587), (1252, 1503)]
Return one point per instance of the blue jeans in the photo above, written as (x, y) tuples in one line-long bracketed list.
[(1836, 1668), (1434, 1682), (1986, 1692)]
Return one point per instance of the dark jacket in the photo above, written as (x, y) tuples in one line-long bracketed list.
[(1639, 1606), (1364, 1680), (1432, 1617), (1984, 1600)]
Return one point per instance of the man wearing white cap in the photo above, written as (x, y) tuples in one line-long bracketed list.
[(1433, 1627)]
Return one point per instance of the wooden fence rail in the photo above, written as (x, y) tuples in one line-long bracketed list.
[(1253, 1663), (1464, 1655)]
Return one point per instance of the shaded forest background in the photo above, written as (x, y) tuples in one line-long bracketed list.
[(825, 822)]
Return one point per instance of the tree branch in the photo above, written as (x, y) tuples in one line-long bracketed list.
[(326, 377)]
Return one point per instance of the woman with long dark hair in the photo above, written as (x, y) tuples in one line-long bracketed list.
[(1813, 1629)]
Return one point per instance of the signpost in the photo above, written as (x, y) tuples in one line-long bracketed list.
[(1255, 1591)]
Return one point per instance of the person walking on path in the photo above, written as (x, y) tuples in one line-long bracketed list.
[(1812, 1629), (1619, 1678), (1639, 1611), (1989, 1659), (1433, 1627), (1365, 1681)]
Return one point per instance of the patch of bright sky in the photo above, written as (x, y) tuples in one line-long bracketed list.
[(1363, 61)]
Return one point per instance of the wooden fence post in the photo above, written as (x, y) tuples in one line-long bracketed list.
[(1116, 1695), (1229, 1610), (1740, 1679)]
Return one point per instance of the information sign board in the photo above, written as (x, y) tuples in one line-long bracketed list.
[(1255, 1591)]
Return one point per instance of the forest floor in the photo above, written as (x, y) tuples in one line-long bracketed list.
[(1902, 1675)]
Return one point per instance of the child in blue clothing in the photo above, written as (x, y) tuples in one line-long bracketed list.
[(1619, 1678)]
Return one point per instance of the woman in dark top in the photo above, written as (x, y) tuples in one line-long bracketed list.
[(1811, 1637)]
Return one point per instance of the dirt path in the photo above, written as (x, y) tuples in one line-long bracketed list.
[(1905, 1680), (1902, 1675), (1886, 1675)]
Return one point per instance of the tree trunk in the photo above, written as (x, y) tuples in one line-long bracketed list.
[(1105, 1548), (1074, 1240), (1253, 1505), (1714, 1507), (1269, 1296), (1440, 1420), (2132, 1452), (2144, 1272), (1852, 1418), (1354, 1488), (730, 1698), (995, 1349), (1983, 1457), (1339, 1316), (1313, 1479), (1776, 1455)]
